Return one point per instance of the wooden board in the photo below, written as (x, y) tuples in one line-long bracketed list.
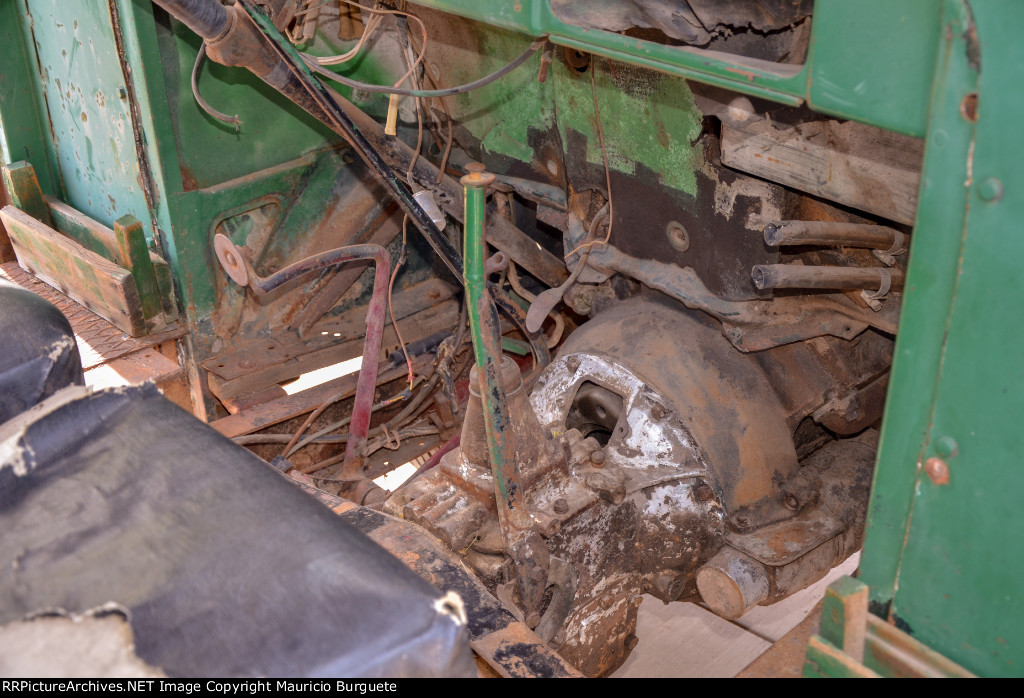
[(23, 192), (850, 163), (270, 413), (146, 364), (331, 332), (90, 234), (100, 285)]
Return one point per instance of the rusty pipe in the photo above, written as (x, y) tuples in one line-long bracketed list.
[(815, 277), (878, 237), (235, 262)]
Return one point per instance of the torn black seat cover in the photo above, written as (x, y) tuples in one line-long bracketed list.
[(223, 567), (38, 354)]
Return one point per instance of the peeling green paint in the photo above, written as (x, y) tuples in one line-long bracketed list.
[(653, 122)]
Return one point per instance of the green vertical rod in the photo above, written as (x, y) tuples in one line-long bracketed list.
[(483, 323)]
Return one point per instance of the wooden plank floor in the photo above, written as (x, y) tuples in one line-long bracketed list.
[(685, 640)]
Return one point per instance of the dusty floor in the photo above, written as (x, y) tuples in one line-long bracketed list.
[(684, 640)]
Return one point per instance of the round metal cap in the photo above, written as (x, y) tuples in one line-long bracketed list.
[(231, 259)]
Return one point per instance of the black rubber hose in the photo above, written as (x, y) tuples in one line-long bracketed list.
[(207, 18)]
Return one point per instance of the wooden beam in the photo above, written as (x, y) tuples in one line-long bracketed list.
[(415, 327), (131, 243), (850, 163), (100, 285), (23, 190)]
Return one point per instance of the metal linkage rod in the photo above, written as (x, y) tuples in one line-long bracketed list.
[(878, 237), (237, 266), (799, 276)]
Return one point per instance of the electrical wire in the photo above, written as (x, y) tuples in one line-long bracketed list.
[(369, 27), (391, 306), (446, 92), (203, 104), (608, 183)]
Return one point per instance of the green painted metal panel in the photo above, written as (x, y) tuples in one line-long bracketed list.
[(24, 128), (843, 77), (873, 60), (89, 110), (943, 559)]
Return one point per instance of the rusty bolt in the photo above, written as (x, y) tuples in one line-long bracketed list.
[(597, 458), (705, 493), (561, 506), (631, 642), (658, 411), (791, 502), (572, 363), (742, 521), (937, 470)]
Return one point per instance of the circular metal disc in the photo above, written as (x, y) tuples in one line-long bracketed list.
[(231, 259)]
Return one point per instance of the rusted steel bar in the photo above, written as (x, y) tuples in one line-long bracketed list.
[(878, 237), (800, 276), (237, 266)]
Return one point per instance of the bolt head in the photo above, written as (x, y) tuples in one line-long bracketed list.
[(705, 493), (937, 471), (946, 446), (990, 189), (561, 506), (597, 458)]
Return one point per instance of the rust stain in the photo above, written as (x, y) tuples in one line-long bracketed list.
[(745, 73)]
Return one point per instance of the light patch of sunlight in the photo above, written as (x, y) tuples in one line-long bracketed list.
[(396, 478), (104, 377), (393, 480), (322, 375)]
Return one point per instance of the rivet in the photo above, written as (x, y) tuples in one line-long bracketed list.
[(946, 446), (677, 236), (937, 471), (990, 189)]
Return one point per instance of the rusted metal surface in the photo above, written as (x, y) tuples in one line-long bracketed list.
[(237, 265), (878, 279), (637, 471), (754, 325), (879, 237)]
